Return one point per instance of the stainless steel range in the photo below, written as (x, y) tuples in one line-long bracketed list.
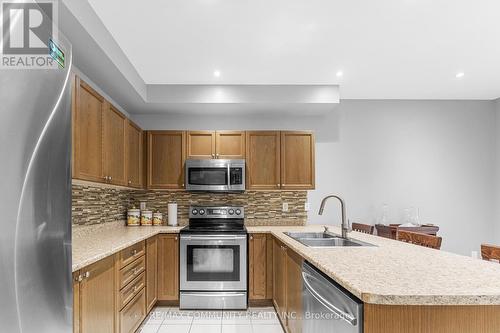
[(213, 259)]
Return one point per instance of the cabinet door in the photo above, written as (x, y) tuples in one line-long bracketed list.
[(115, 129), (263, 160), (97, 297), (166, 156), (257, 266), (294, 292), (279, 280), (297, 160), (230, 144), (151, 271), (201, 144), (76, 302), (88, 112), (134, 155), (168, 267)]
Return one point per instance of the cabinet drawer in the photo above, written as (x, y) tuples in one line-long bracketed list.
[(132, 289), (133, 313), (131, 253), (133, 270)]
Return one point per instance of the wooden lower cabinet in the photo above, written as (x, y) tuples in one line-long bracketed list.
[(132, 315), (287, 286), (260, 268), (168, 267), (96, 305), (294, 291), (76, 301), (279, 280), (432, 318), (151, 272)]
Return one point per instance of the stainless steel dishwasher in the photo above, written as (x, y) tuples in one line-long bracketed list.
[(328, 308)]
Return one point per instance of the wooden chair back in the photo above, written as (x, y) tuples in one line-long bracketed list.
[(364, 228), (389, 231), (490, 252), (419, 239)]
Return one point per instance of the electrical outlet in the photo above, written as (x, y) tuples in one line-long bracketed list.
[(285, 207), (307, 206)]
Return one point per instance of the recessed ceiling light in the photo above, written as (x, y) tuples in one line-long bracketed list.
[(460, 75), (216, 73), (340, 74)]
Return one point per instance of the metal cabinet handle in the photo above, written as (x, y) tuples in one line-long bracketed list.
[(251, 237), (134, 252), (217, 155), (130, 182), (278, 185), (110, 178), (176, 237), (213, 155), (86, 275)]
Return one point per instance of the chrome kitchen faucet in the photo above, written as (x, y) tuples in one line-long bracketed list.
[(344, 226)]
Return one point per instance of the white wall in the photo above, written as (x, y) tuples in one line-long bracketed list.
[(497, 170), (435, 155)]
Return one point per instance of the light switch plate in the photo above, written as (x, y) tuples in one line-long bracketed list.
[(307, 206), (285, 207)]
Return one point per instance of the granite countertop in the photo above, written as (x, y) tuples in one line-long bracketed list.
[(391, 272), (398, 273), (93, 243)]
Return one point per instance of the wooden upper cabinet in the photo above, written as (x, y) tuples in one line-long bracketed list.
[(263, 160), (201, 144), (134, 155), (166, 156), (115, 134), (97, 297), (230, 144), (151, 272), (168, 267), (297, 160), (88, 114)]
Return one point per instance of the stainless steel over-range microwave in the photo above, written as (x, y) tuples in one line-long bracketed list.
[(215, 175)]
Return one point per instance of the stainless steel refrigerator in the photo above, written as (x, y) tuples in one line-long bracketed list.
[(35, 198)]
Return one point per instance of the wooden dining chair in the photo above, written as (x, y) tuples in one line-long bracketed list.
[(490, 252), (364, 228), (419, 239)]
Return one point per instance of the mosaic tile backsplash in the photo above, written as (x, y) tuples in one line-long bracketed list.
[(93, 204)]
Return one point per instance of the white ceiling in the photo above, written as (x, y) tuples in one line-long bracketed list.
[(387, 49)]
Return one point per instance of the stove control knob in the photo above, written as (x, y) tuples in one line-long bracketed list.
[(238, 212), (202, 211), (231, 211), (194, 211)]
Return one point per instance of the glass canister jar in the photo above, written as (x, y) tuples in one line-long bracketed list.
[(146, 217)]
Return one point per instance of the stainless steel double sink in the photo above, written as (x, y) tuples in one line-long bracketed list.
[(323, 239)]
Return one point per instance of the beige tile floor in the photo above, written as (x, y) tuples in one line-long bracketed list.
[(173, 320)]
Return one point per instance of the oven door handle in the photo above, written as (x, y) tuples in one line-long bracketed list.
[(213, 238)]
